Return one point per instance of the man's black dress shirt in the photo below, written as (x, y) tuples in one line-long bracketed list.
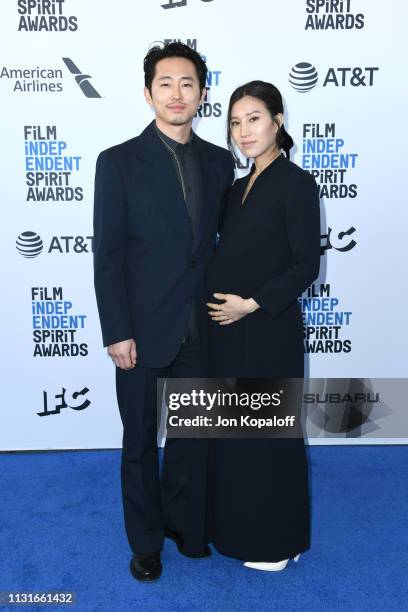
[(187, 166)]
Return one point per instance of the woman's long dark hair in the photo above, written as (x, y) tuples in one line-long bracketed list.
[(271, 97)]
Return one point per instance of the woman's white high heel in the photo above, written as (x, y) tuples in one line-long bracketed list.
[(270, 567)]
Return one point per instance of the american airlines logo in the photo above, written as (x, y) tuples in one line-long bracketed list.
[(82, 79)]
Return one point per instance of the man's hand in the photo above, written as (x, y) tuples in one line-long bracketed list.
[(233, 308), (123, 354)]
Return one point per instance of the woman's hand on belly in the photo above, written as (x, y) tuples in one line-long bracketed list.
[(232, 309)]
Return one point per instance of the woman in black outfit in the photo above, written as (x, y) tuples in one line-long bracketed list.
[(267, 255)]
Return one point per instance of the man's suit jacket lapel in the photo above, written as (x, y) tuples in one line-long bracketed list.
[(165, 184), (166, 188), (210, 177)]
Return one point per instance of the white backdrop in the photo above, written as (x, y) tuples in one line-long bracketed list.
[(357, 105)]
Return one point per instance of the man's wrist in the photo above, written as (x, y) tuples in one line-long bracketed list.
[(252, 305)]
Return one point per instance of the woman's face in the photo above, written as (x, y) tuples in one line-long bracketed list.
[(252, 127)]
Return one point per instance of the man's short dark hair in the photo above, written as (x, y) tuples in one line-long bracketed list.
[(174, 49)]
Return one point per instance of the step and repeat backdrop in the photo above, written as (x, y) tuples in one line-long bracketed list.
[(71, 84)]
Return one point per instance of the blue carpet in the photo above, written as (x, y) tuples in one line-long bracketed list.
[(61, 530)]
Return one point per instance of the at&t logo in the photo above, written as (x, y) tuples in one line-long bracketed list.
[(30, 244), (303, 76)]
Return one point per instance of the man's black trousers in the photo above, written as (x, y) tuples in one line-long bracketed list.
[(177, 500)]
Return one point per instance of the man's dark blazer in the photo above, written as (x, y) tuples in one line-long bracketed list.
[(147, 275)]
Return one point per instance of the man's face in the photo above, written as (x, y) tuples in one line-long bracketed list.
[(176, 91)]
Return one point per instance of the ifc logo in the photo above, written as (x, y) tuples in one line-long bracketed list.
[(303, 77), (29, 244)]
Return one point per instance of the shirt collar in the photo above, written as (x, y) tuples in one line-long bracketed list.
[(173, 144)]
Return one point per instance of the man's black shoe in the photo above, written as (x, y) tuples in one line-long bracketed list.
[(178, 539), (146, 567)]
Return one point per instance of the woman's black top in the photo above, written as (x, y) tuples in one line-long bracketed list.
[(269, 249)]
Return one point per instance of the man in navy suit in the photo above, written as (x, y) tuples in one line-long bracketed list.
[(157, 203)]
